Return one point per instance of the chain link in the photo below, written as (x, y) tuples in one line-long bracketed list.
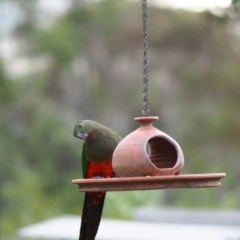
[(146, 105)]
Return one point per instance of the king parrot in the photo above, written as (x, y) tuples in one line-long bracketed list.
[(99, 144)]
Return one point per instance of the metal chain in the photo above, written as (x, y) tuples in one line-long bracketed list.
[(146, 105)]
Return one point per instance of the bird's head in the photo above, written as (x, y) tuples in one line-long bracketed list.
[(82, 129)]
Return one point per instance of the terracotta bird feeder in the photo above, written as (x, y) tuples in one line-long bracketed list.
[(148, 159), (147, 152)]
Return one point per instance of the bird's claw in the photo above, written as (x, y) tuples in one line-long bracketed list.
[(97, 177)]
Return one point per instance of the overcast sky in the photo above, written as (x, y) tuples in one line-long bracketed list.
[(60, 5), (194, 4)]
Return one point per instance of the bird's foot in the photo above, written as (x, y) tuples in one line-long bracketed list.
[(98, 177)]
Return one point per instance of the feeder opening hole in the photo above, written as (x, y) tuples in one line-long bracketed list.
[(161, 152)]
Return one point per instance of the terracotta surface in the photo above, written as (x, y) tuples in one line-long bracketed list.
[(148, 183), (147, 152)]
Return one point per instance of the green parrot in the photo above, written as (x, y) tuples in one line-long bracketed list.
[(99, 144)]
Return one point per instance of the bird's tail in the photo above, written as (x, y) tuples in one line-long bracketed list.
[(91, 215)]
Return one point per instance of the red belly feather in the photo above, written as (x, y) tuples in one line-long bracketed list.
[(102, 169)]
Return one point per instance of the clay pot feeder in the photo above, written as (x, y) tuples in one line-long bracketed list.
[(147, 152), (148, 159)]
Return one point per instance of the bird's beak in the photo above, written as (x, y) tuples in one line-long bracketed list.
[(80, 135)]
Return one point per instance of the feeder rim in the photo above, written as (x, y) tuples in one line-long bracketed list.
[(187, 181)]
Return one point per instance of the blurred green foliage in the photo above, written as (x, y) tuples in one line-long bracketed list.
[(92, 69)]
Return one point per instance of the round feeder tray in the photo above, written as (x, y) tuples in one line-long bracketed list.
[(149, 183)]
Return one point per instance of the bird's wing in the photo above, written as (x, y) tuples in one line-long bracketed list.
[(84, 161)]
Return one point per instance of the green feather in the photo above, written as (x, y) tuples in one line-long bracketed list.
[(99, 143), (84, 161)]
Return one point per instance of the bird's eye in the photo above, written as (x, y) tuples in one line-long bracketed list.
[(79, 126)]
